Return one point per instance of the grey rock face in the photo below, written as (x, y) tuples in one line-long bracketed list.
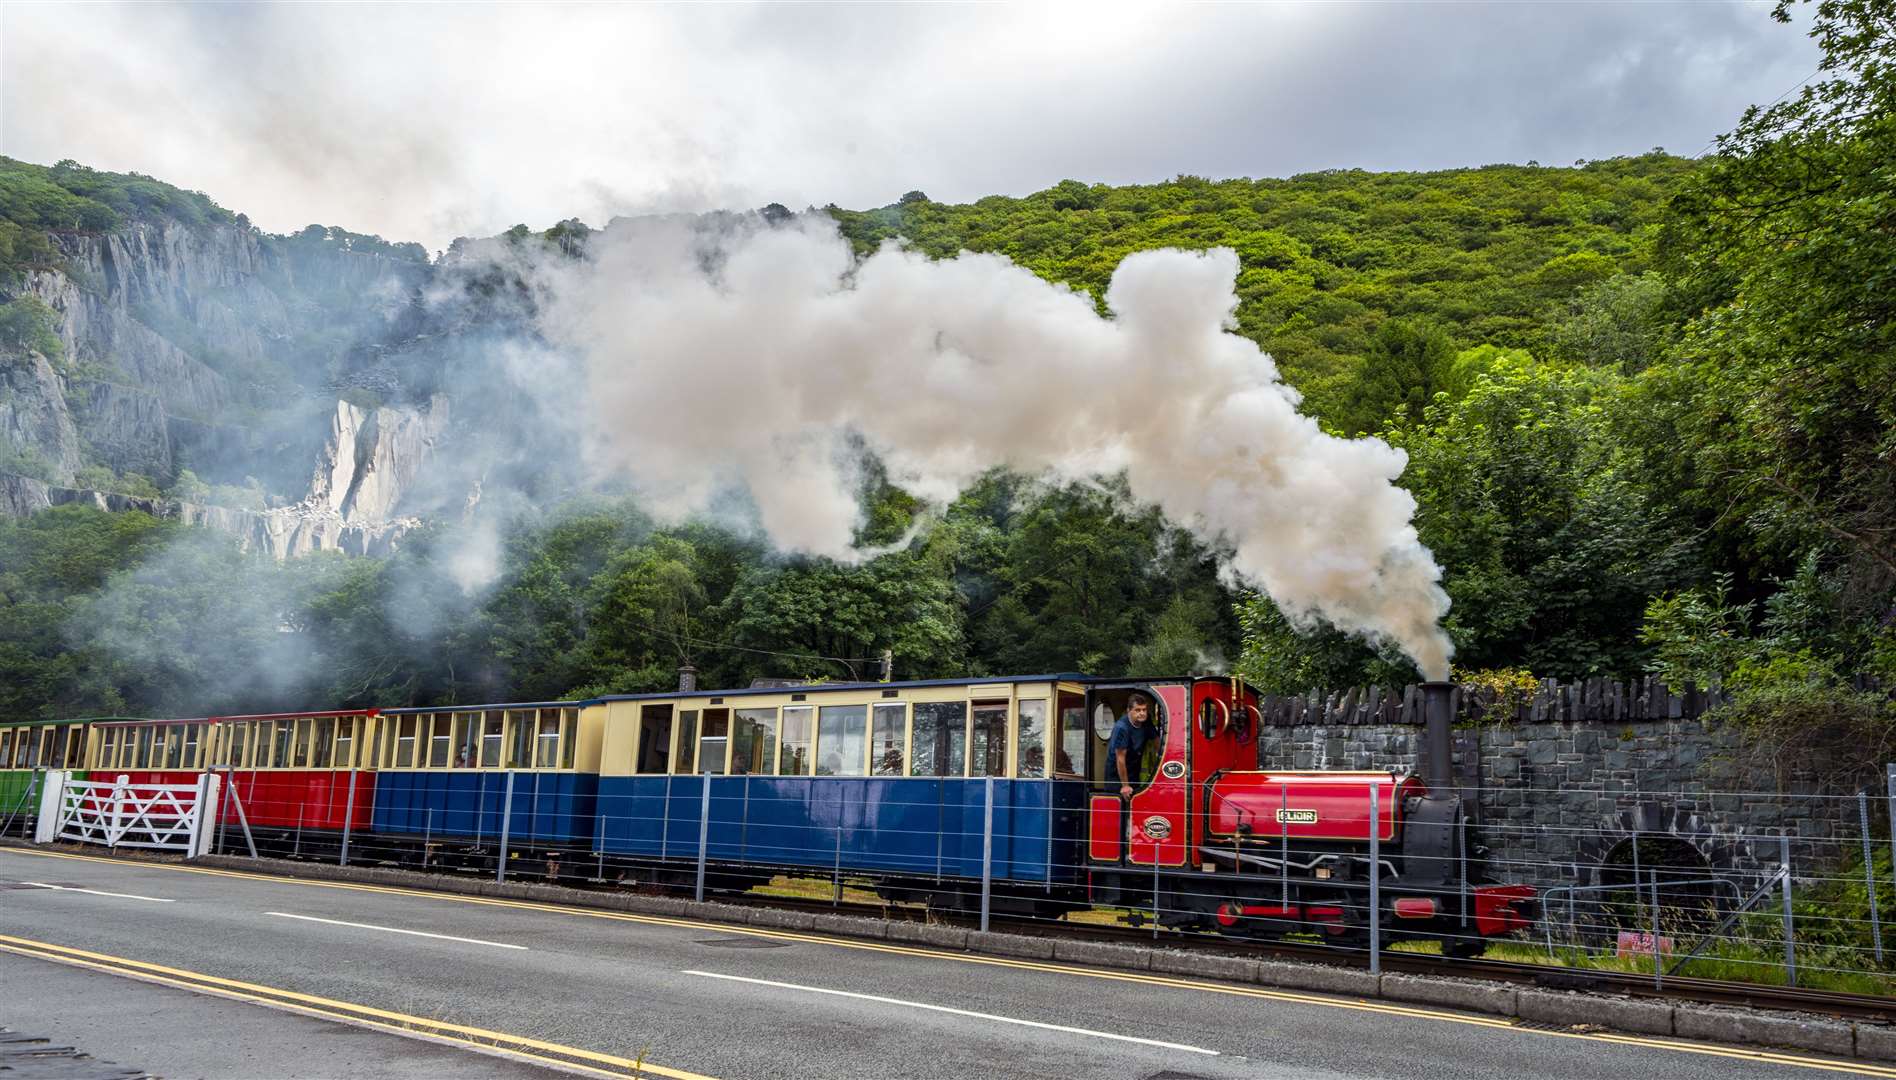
[(148, 314), (126, 427), (34, 415)]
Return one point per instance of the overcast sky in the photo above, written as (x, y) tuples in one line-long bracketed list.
[(429, 121)]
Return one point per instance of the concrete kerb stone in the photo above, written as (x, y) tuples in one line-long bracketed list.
[(1330, 980), (936, 934), (1032, 948), (1876, 1042), (1620, 1014), (1485, 997), (850, 926), (1765, 1029), (1201, 965), (779, 918), (1103, 954)]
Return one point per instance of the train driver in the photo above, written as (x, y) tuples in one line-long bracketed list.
[(1128, 743)]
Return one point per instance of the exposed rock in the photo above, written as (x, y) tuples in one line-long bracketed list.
[(372, 457), (284, 532), (126, 427), (21, 496), (34, 416), (96, 330)]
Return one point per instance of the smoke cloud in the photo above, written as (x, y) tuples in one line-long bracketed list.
[(724, 356)]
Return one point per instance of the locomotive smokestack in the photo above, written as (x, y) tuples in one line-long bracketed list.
[(1438, 718)]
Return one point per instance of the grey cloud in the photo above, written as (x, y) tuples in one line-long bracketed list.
[(425, 121)]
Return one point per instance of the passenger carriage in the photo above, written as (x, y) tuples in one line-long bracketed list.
[(445, 775), (304, 776), (885, 780)]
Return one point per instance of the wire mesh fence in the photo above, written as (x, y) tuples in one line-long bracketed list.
[(1801, 902)]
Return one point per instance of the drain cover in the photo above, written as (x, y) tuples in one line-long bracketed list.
[(744, 943)]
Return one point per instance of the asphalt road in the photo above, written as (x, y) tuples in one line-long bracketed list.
[(680, 999)]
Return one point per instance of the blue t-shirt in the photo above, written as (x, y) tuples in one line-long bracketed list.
[(1132, 738)]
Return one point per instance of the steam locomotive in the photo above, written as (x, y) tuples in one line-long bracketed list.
[(936, 791)]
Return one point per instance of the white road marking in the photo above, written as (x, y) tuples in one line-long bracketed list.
[(396, 930), (960, 1012), (96, 892)]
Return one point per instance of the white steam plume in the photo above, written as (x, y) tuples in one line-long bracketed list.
[(748, 357)]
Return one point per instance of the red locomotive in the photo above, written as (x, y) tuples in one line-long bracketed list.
[(1213, 842)]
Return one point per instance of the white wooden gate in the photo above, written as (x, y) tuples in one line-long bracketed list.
[(118, 813)]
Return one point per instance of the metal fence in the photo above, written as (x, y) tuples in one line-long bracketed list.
[(1799, 902)]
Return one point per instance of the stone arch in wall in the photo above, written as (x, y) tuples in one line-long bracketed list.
[(1700, 865)]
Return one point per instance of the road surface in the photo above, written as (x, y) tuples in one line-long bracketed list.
[(188, 971)]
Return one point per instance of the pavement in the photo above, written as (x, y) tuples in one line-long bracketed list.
[(190, 971)]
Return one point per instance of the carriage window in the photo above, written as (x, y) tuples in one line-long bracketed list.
[(885, 740), (546, 741), (655, 736), (520, 739), (795, 757), (569, 722), (108, 747), (1072, 759), (714, 740), (325, 743), (493, 731), (193, 735), (687, 760), (988, 754), (754, 742), (464, 738), (280, 750), (76, 750), (1030, 754), (143, 758), (405, 743), (841, 749), (235, 745), (6, 749), (940, 739), (346, 740), (29, 741)]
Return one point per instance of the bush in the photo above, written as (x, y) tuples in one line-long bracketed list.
[(26, 323)]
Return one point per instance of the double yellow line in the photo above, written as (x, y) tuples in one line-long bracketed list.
[(570, 1058), (1354, 1004)]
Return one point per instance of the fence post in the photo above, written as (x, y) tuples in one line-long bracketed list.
[(348, 817), (1375, 882), (121, 790), (987, 849), (52, 801), (296, 847), (1790, 930), (1658, 968), (204, 826), (1869, 873), (1890, 775), (427, 836), (836, 870), (506, 828), (704, 830)]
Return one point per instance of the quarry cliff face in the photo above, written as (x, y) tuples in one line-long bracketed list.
[(207, 347)]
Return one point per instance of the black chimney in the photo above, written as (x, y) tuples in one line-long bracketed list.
[(1438, 719)]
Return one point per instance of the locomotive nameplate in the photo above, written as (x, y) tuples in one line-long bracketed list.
[(1296, 817), (1156, 827), (1172, 770)]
